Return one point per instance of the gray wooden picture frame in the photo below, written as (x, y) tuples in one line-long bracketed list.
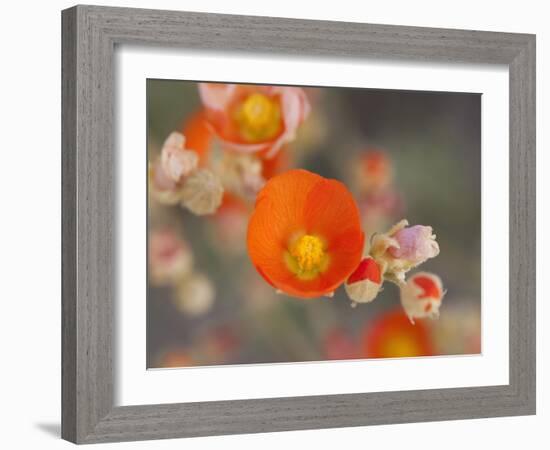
[(90, 34)]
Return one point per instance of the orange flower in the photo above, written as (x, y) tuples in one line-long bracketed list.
[(251, 118), (304, 236), (393, 336)]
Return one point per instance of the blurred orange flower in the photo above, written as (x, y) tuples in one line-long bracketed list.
[(198, 135), (251, 118), (175, 358), (375, 170), (392, 335), (304, 236)]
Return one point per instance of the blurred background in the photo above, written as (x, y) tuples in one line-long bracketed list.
[(423, 149)]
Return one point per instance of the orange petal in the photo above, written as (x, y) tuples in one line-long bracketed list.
[(288, 192), (275, 165), (429, 286), (331, 212), (198, 135), (267, 237), (330, 209), (368, 269)]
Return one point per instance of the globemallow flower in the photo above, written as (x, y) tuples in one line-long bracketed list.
[(392, 335), (304, 235), (403, 247), (253, 118), (365, 282), (421, 295)]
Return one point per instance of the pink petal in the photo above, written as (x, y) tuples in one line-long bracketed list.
[(161, 180), (415, 244), (216, 96), (295, 109)]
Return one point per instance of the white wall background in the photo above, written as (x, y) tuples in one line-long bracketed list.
[(30, 222)]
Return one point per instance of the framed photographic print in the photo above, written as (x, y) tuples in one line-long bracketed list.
[(278, 224)]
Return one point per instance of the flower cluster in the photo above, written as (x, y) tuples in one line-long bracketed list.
[(391, 255), (305, 238), (233, 143), (176, 178), (305, 234)]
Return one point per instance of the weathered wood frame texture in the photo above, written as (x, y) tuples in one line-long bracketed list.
[(90, 34)]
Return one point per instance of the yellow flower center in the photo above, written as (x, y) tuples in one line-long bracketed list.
[(258, 118), (400, 345), (307, 257)]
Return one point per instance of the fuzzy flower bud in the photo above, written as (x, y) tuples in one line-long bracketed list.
[(202, 192), (365, 282), (421, 295), (195, 295), (416, 244), (175, 161), (161, 186), (403, 247)]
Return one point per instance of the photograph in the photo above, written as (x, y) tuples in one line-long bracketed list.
[(296, 224), (261, 225)]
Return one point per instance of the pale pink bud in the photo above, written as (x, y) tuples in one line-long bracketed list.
[(169, 257), (175, 161), (416, 244), (365, 282), (402, 248), (421, 295)]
